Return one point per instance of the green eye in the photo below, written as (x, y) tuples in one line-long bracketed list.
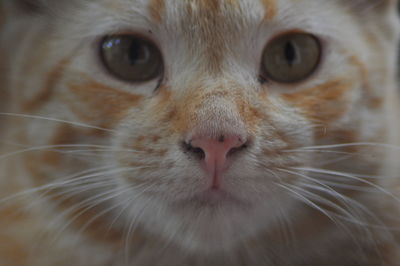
[(291, 57), (131, 58)]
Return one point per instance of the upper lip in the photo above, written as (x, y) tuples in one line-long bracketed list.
[(216, 197)]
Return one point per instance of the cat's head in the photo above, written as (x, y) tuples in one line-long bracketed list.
[(203, 114)]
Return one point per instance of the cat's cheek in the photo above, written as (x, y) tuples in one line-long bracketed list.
[(97, 103)]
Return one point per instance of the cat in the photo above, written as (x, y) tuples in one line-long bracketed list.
[(199, 132)]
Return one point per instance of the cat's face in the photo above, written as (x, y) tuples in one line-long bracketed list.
[(204, 106)]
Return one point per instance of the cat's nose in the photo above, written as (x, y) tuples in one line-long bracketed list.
[(215, 152), (218, 149)]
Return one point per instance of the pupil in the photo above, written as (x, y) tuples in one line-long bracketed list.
[(138, 53), (290, 53)]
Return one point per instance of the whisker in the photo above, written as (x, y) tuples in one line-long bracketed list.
[(129, 201), (327, 189), (325, 201), (311, 150), (363, 211), (334, 217), (347, 175), (56, 120), (123, 209), (335, 160), (100, 214), (87, 204), (97, 148), (114, 206), (351, 144), (349, 187), (69, 181), (65, 194), (305, 200), (78, 188), (346, 216), (70, 188), (133, 224), (323, 187)]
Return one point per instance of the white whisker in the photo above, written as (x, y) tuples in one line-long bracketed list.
[(346, 201), (350, 176), (56, 120), (86, 204), (133, 223), (96, 148), (67, 181), (302, 198), (351, 144), (305, 149)]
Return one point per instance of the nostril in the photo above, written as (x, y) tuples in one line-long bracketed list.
[(212, 153), (194, 151), (237, 149), (218, 148)]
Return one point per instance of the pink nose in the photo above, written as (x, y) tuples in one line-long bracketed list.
[(215, 151)]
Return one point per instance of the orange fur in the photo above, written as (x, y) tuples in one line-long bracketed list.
[(270, 9), (323, 103), (156, 9), (101, 102), (46, 92)]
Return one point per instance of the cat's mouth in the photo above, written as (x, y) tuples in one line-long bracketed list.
[(213, 198)]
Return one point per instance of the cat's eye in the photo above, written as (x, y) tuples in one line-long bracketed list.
[(131, 58), (291, 57)]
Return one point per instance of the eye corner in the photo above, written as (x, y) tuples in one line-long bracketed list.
[(262, 79), (291, 57)]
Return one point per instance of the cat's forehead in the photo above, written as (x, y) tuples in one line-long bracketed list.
[(192, 15), (224, 11), (208, 19), (170, 11)]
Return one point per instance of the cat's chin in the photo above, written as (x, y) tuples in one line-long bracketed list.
[(214, 221), (208, 221)]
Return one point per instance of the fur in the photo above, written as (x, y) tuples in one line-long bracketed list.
[(93, 171)]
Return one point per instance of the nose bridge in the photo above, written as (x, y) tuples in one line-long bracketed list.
[(215, 115)]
